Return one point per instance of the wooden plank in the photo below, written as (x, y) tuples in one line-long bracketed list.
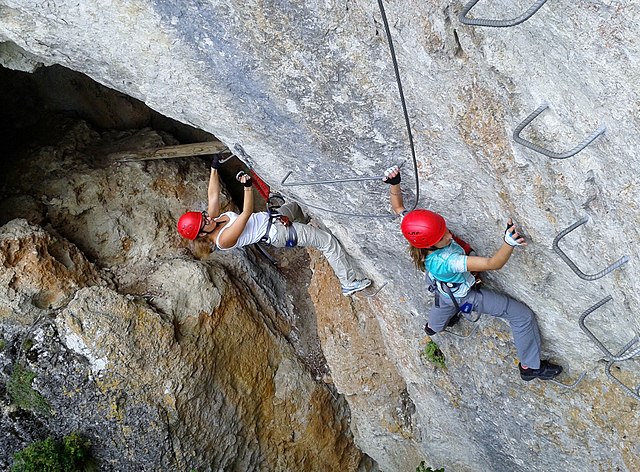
[(170, 152)]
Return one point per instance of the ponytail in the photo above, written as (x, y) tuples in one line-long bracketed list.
[(418, 256)]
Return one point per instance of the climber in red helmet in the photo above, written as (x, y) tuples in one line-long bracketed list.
[(288, 228), (448, 266)]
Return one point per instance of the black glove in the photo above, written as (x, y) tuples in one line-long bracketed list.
[(428, 330), (393, 180), (246, 183), (215, 161)]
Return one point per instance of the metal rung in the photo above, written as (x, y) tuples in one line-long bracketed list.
[(378, 291), (497, 23), (553, 155), (475, 328), (569, 386), (607, 370), (572, 265), (609, 355)]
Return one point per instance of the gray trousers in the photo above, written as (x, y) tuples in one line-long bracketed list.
[(526, 334), (309, 236)]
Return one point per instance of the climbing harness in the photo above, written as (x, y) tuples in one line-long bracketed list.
[(571, 264), (497, 23), (292, 235), (436, 287), (553, 155)]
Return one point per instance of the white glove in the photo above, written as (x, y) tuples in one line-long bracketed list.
[(511, 236)]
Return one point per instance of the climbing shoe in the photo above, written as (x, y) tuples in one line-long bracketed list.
[(547, 371), (355, 286), (275, 201)]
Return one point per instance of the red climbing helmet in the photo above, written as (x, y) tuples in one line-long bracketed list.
[(189, 224), (423, 228)]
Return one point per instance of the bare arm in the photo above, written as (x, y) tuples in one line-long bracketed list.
[(392, 177), (230, 235), (502, 255), (213, 194), (495, 262)]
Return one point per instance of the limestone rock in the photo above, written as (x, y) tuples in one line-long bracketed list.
[(309, 87), (40, 270), (164, 362)]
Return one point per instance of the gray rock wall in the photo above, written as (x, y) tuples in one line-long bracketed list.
[(310, 88)]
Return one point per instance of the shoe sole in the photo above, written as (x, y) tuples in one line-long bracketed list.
[(351, 292), (541, 377)]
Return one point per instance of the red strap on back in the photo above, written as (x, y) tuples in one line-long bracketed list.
[(263, 189), (463, 244)]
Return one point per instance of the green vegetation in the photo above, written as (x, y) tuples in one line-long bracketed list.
[(27, 345), (3, 344), (423, 468), (21, 393), (433, 354), (72, 454)]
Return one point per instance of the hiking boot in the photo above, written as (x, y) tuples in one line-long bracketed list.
[(547, 371), (355, 286)]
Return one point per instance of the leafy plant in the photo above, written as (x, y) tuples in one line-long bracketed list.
[(21, 393), (72, 454), (433, 354), (77, 450), (423, 468)]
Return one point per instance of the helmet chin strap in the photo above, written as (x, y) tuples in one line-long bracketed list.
[(214, 228)]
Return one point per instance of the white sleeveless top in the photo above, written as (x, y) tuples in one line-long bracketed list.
[(254, 230)]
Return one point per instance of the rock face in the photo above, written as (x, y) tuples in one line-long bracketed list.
[(309, 87), (163, 361)]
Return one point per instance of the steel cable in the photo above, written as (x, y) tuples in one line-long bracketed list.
[(407, 123)]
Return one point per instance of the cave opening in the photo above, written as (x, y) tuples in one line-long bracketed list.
[(36, 109), (33, 106)]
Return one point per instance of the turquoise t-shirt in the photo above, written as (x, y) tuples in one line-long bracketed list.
[(449, 264)]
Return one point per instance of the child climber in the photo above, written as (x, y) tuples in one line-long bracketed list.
[(230, 230), (448, 267)]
